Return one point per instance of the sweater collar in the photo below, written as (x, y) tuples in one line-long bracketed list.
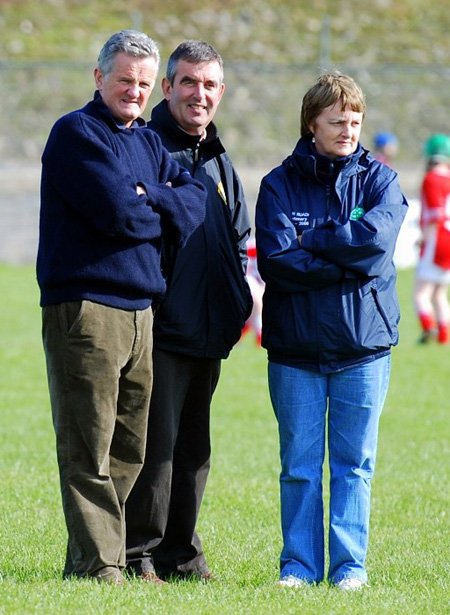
[(106, 113)]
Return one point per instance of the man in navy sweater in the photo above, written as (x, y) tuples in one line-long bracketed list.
[(109, 193), (198, 321)]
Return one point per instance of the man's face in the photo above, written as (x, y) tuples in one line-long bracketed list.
[(127, 88), (195, 94)]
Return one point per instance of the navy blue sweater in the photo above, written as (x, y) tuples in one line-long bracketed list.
[(99, 239)]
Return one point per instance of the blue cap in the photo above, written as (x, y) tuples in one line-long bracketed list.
[(384, 138)]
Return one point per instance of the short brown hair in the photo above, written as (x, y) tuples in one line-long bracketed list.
[(328, 89)]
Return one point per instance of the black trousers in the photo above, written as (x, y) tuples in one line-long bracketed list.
[(163, 507)]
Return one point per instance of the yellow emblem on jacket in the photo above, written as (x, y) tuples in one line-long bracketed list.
[(221, 191)]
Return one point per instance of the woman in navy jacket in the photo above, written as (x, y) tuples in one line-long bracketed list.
[(327, 221)]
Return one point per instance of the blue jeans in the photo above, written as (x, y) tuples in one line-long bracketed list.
[(354, 399)]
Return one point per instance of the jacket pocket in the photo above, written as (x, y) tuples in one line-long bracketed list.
[(380, 309)]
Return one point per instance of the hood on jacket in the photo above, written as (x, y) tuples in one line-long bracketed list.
[(308, 162)]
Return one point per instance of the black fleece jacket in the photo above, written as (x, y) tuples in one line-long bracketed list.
[(208, 299)]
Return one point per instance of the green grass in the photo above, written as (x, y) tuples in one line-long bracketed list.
[(408, 563)]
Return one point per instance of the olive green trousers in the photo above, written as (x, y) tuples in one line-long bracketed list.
[(99, 367)]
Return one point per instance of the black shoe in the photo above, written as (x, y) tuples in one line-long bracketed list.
[(427, 336)]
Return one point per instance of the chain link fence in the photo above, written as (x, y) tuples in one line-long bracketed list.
[(259, 115), (258, 120)]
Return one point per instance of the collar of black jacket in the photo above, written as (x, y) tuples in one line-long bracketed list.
[(162, 116)]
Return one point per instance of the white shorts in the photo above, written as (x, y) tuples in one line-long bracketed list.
[(427, 270)]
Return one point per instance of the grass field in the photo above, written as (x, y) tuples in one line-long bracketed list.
[(409, 557)]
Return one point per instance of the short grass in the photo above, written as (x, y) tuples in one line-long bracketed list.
[(409, 562)]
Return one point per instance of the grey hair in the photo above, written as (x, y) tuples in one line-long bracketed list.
[(131, 42), (195, 52)]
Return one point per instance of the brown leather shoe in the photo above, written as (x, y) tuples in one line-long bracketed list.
[(207, 577), (151, 577), (110, 575)]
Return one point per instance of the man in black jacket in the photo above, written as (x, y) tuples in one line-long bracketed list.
[(197, 322)]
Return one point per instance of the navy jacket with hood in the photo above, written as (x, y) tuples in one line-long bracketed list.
[(208, 299), (329, 303)]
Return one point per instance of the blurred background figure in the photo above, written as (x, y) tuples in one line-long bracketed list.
[(385, 147), (433, 270), (254, 322)]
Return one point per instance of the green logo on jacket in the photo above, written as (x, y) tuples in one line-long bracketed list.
[(357, 213)]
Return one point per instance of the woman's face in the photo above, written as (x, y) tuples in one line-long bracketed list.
[(336, 131)]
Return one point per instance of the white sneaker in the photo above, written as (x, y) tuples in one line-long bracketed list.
[(351, 584), (291, 581)]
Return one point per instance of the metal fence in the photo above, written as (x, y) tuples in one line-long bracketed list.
[(258, 120), (259, 114)]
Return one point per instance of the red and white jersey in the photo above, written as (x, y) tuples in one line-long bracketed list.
[(435, 197), (434, 265)]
